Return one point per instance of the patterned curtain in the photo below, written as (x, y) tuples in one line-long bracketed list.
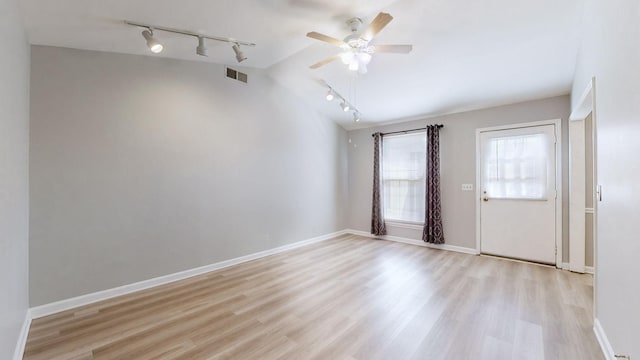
[(378, 226), (432, 232)]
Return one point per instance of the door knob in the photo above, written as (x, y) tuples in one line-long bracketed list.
[(485, 198)]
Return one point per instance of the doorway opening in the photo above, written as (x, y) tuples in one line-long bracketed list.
[(584, 191), (519, 200)]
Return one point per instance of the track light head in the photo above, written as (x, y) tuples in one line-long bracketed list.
[(201, 49), (152, 43), (356, 116), (239, 55), (345, 107), (330, 95)]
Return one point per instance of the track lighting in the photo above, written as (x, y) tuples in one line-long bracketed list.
[(239, 55), (201, 50), (330, 95), (152, 43), (344, 104)]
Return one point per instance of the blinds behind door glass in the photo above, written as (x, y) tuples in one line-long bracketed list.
[(516, 167), (403, 176)]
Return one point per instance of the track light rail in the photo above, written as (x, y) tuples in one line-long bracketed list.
[(188, 33)]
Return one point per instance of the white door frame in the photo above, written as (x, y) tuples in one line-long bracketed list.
[(587, 105), (558, 131), (577, 198)]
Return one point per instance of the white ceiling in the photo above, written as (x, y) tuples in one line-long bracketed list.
[(466, 55)]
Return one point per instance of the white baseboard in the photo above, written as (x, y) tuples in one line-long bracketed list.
[(58, 306), (605, 345), (447, 247), (22, 339)]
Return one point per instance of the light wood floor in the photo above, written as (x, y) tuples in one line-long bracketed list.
[(346, 298)]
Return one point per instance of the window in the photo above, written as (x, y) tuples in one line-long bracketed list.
[(403, 177), (516, 167)]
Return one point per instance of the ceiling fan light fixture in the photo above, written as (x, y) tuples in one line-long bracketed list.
[(154, 45), (364, 58), (347, 57), (356, 48), (345, 107)]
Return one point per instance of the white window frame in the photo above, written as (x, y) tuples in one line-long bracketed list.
[(400, 223)]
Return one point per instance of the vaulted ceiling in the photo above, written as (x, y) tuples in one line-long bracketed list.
[(466, 54)]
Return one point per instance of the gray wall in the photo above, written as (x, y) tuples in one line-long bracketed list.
[(14, 176), (610, 51), (143, 166), (458, 166)]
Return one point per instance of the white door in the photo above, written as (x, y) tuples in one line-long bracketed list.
[(518, 193)]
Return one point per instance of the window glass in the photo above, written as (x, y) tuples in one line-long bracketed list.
[(516, 167)]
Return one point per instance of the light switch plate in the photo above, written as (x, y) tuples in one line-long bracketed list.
[(467, 187)]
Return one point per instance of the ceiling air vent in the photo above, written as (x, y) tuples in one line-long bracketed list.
[(237, 75)]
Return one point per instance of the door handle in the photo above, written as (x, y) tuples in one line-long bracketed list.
[(486, 198)]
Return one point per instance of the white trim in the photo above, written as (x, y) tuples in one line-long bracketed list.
[(558, 133), (587, 269), (605, 345), (403, 225), (521, 125), (55, 307), (577, 198), (585, 104), (589, 210), (517, 260), (22, 338), (447, 247)]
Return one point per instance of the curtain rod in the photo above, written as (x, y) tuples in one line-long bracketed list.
[(406, 131)]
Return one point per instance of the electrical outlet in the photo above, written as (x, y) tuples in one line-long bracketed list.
[(467, 187)]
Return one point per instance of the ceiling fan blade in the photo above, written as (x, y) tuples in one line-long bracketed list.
[(327, 39), (376, 26), (325, 62), (395, 49)]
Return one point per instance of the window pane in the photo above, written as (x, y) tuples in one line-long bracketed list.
[(403, 176), (516, 167)]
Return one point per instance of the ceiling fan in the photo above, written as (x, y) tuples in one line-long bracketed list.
[(357, 50)]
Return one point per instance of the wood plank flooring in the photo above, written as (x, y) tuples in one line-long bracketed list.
[(345, 298)]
